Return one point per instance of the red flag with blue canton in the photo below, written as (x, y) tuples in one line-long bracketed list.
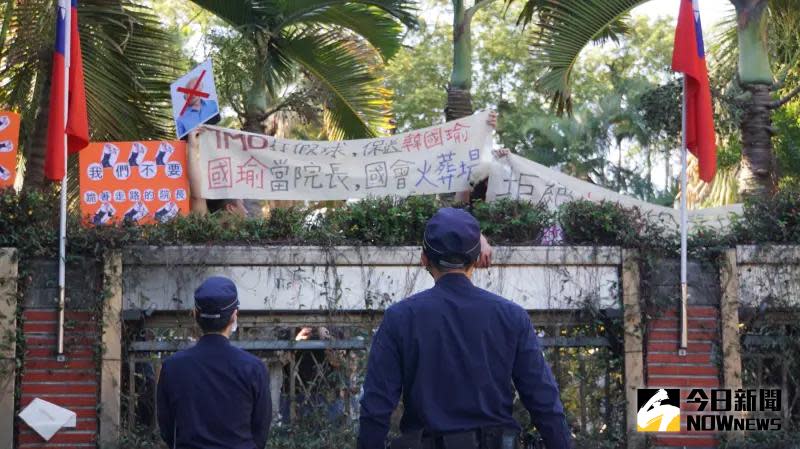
[(76, 125), (688, 56)]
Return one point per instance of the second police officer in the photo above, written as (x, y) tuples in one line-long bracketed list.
[(452, 352)]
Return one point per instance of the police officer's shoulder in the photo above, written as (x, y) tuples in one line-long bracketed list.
[(246, 357), (508, 306), (405, 305)]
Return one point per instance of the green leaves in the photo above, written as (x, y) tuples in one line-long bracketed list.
[(337, 45), (357, 104), (563, 28), (128, 64)]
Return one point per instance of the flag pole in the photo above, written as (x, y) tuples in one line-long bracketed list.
[(684, 228), (62, 241)]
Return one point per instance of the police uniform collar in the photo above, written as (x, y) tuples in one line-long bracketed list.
[(454, 280), (213, 339)]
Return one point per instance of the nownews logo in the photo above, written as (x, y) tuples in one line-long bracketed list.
[(659, 409), (743, 401)]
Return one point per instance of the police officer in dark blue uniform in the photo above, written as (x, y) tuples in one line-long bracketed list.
[(452, 352), (214, 395)]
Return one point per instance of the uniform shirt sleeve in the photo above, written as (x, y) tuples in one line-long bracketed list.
[(261, 417), (538, 390), (166, 418), (382, 386)]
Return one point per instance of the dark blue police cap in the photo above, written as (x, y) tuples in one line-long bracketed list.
[(216, 298), (452, 238)]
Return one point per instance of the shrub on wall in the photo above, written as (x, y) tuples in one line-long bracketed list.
[(588, 223), (29, 222), (508, 221)]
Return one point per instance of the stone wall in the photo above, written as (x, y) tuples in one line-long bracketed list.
[(288, 278), (309, 279)]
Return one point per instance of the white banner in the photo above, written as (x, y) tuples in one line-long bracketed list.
[(438, 159), (518, 178)]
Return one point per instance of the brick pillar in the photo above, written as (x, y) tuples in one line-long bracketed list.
[(72, 384), (665, 368)]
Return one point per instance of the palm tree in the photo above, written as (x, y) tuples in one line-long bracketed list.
[(337, 45), (459, 98), (128, 65), (565, 27)]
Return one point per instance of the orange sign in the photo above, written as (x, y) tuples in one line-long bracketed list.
[(9, 139), (143, 182)]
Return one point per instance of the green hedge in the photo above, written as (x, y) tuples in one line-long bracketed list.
[(29, 221)]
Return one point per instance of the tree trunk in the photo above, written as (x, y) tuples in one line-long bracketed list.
[(255, 109), (255, 103), (459, 99), (619, 167), (649, 174), (757, 177), (37, 148), (667, 172)]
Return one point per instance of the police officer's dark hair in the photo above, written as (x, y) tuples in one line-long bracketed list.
[(218, 205), (213, 325)]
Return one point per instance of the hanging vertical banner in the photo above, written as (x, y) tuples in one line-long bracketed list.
[(143, 182), (9, 140), (438, 159)]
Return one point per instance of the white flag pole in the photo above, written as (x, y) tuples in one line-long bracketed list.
[(684, 228), (64, 8)]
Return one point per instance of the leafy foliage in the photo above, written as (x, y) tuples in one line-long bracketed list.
[(332, 50), (604, 223), (776, 220), (509, 221), (785, 439), (129, 61)]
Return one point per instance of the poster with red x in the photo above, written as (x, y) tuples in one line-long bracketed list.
[(194, 99)]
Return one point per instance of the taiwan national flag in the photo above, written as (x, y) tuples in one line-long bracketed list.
[(689, 57), (74, 123)]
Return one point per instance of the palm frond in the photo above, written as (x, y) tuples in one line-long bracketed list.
[(370, 22), (563, 28), (243, 13), (724, 46), (358, 104), (403, 10)]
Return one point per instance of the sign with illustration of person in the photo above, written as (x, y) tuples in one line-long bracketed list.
[(194, 99), (142, 182), (438, 159), (9, 139)]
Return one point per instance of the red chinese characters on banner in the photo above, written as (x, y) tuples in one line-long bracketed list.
[(143, 182), (9, 138)]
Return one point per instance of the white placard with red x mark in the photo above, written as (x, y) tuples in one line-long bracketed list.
[(194, 99)]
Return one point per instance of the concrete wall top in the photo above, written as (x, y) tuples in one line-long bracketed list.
[(767, 254), (358, 255), (310, 278), (769, 275)]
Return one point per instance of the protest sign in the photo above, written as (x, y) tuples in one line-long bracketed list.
[(142, 182), (515, 177), (9, 140), (438, 159), (194, 99)]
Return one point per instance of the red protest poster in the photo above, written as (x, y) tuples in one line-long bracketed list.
[(144, 182), (9, 139)]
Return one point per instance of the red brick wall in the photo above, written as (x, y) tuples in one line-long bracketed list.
[(73, 384), (665, 368)]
